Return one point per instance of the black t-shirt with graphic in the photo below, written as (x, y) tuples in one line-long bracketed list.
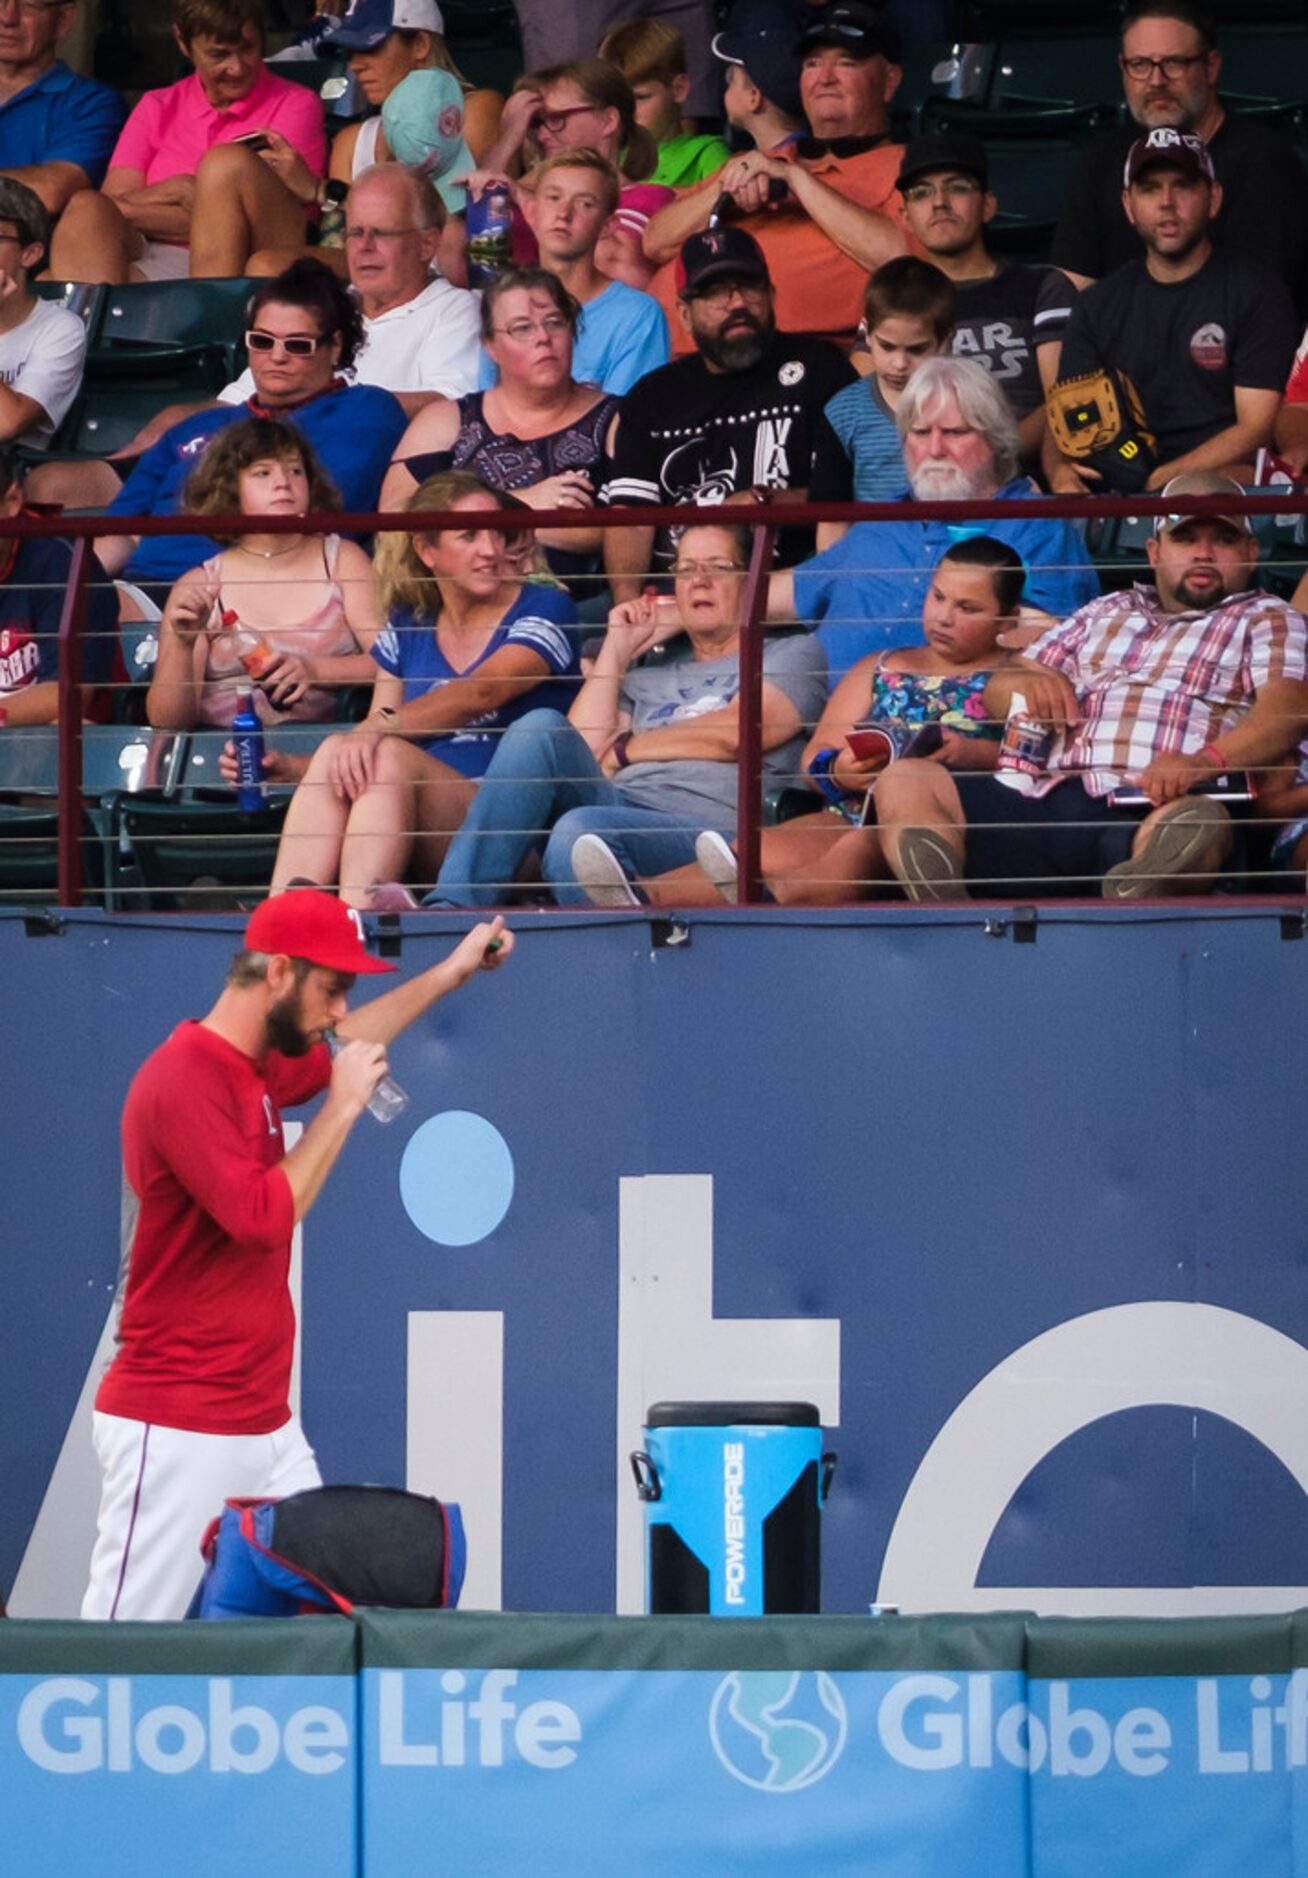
[(1002, 320), (1186, 345), (686, 434)]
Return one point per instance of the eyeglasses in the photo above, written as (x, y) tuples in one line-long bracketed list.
[(379, 234), (520, 331), (1175, 67), (711, 570), (722, 292), (554, 121), (298, 346), (952, 189)]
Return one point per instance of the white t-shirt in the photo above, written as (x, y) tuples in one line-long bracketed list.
[(431, 343), (42, 358)]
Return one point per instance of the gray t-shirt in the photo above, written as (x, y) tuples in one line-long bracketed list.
[(682, 687)]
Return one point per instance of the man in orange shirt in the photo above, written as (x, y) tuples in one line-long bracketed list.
[(840, 215)]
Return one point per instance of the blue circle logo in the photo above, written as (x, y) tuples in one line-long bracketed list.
[(456, 1178), (778, 1730)]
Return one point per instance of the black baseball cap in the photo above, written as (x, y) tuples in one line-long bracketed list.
[(947, 150), (857, 27), (716, 253), (768, 54)]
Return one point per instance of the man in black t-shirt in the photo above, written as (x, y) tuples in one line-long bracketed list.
[(1170, 67), (735, 422), (1206, 339), (1010, 317)]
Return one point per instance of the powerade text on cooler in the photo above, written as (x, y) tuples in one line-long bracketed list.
[(247, 736)]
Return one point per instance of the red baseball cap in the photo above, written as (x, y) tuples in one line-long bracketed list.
[(304, 923)]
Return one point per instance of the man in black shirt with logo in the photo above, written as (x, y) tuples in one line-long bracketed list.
[(1170, 66), (735, 422), (1010, 317), (1206, 338)]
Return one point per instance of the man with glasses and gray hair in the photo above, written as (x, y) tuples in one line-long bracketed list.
[(865, 592), (1170, 65)]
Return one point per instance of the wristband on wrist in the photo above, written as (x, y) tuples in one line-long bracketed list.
[(620, 758), (1215, 756), (820, 773)]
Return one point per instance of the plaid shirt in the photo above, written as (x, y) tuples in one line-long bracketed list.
[(1148, 681)]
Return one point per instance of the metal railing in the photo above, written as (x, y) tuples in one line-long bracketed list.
[(763, 521)]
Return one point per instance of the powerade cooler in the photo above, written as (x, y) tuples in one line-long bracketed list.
[(732, 1494)]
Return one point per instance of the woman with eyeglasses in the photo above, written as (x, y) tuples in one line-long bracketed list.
[(585, 104), (647, 756), (468, 649), (288, 618), (537, 432)]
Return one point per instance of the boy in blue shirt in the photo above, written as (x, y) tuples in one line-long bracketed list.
[(908, 317)]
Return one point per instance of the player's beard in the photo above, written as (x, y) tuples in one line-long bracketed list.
[(286, 1032)]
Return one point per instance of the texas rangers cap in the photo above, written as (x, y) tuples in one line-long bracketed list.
[(368, 22), (1202, 483), (304, 923), (1177, 148), (714, 254), (857, 27), (947, 150)]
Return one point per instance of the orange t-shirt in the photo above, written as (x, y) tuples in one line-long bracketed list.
[(819, 287)]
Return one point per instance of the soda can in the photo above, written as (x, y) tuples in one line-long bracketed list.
[(1026, 744)]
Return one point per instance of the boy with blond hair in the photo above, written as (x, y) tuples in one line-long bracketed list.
[(652, 58)]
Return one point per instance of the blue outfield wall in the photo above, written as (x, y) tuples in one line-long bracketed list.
[(570, 1747), (1026, 1220)]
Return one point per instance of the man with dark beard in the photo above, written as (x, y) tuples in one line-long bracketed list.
[(734, 422), (194, 1408)]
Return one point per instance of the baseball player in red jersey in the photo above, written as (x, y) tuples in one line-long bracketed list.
[(194, 1407)]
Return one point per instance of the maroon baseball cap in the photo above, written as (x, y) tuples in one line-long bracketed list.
[(1175, 148), (304, 923)]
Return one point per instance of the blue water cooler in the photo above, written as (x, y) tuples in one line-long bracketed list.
[(733, 1493)]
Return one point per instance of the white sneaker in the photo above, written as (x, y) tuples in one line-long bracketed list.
[(714, 854), (600, 874)]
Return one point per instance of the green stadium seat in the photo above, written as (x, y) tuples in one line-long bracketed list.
[(171, 850)]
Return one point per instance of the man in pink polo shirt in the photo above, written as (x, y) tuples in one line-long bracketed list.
[(224, 130)]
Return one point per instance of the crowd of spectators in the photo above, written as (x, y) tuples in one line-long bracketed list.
[(718, 280)]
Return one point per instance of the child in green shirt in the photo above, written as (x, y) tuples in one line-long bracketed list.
[(652, 59)]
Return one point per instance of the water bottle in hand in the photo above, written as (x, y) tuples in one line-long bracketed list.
[(387, 1099)]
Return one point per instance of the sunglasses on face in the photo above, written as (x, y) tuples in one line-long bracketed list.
[(298, 346)]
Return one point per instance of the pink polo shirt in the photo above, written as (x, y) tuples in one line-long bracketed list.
[(171, 129)]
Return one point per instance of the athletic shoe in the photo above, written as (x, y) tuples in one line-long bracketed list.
[(929, 869), (599, 872), (1176, 841), (714, 854), (388, 896)]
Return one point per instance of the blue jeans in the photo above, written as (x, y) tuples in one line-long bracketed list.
[(542, 778)]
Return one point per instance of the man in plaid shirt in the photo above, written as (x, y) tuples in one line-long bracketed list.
[(1157, 691)]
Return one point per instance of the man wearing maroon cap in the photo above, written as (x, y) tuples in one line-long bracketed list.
[(1206, 338), (194, 1407)]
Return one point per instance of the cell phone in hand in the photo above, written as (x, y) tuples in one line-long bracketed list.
[(253, 140), (872, 742)]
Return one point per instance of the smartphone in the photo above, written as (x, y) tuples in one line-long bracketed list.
[(872, 742), (1234, 787), (253, 140)]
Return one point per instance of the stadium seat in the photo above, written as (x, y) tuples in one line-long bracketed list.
[(1031, 156), (29, 851), (1042, 73), (151, 324), (991, 19), (170, 850)]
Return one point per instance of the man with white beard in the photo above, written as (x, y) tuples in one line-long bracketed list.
[(865, 593)]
